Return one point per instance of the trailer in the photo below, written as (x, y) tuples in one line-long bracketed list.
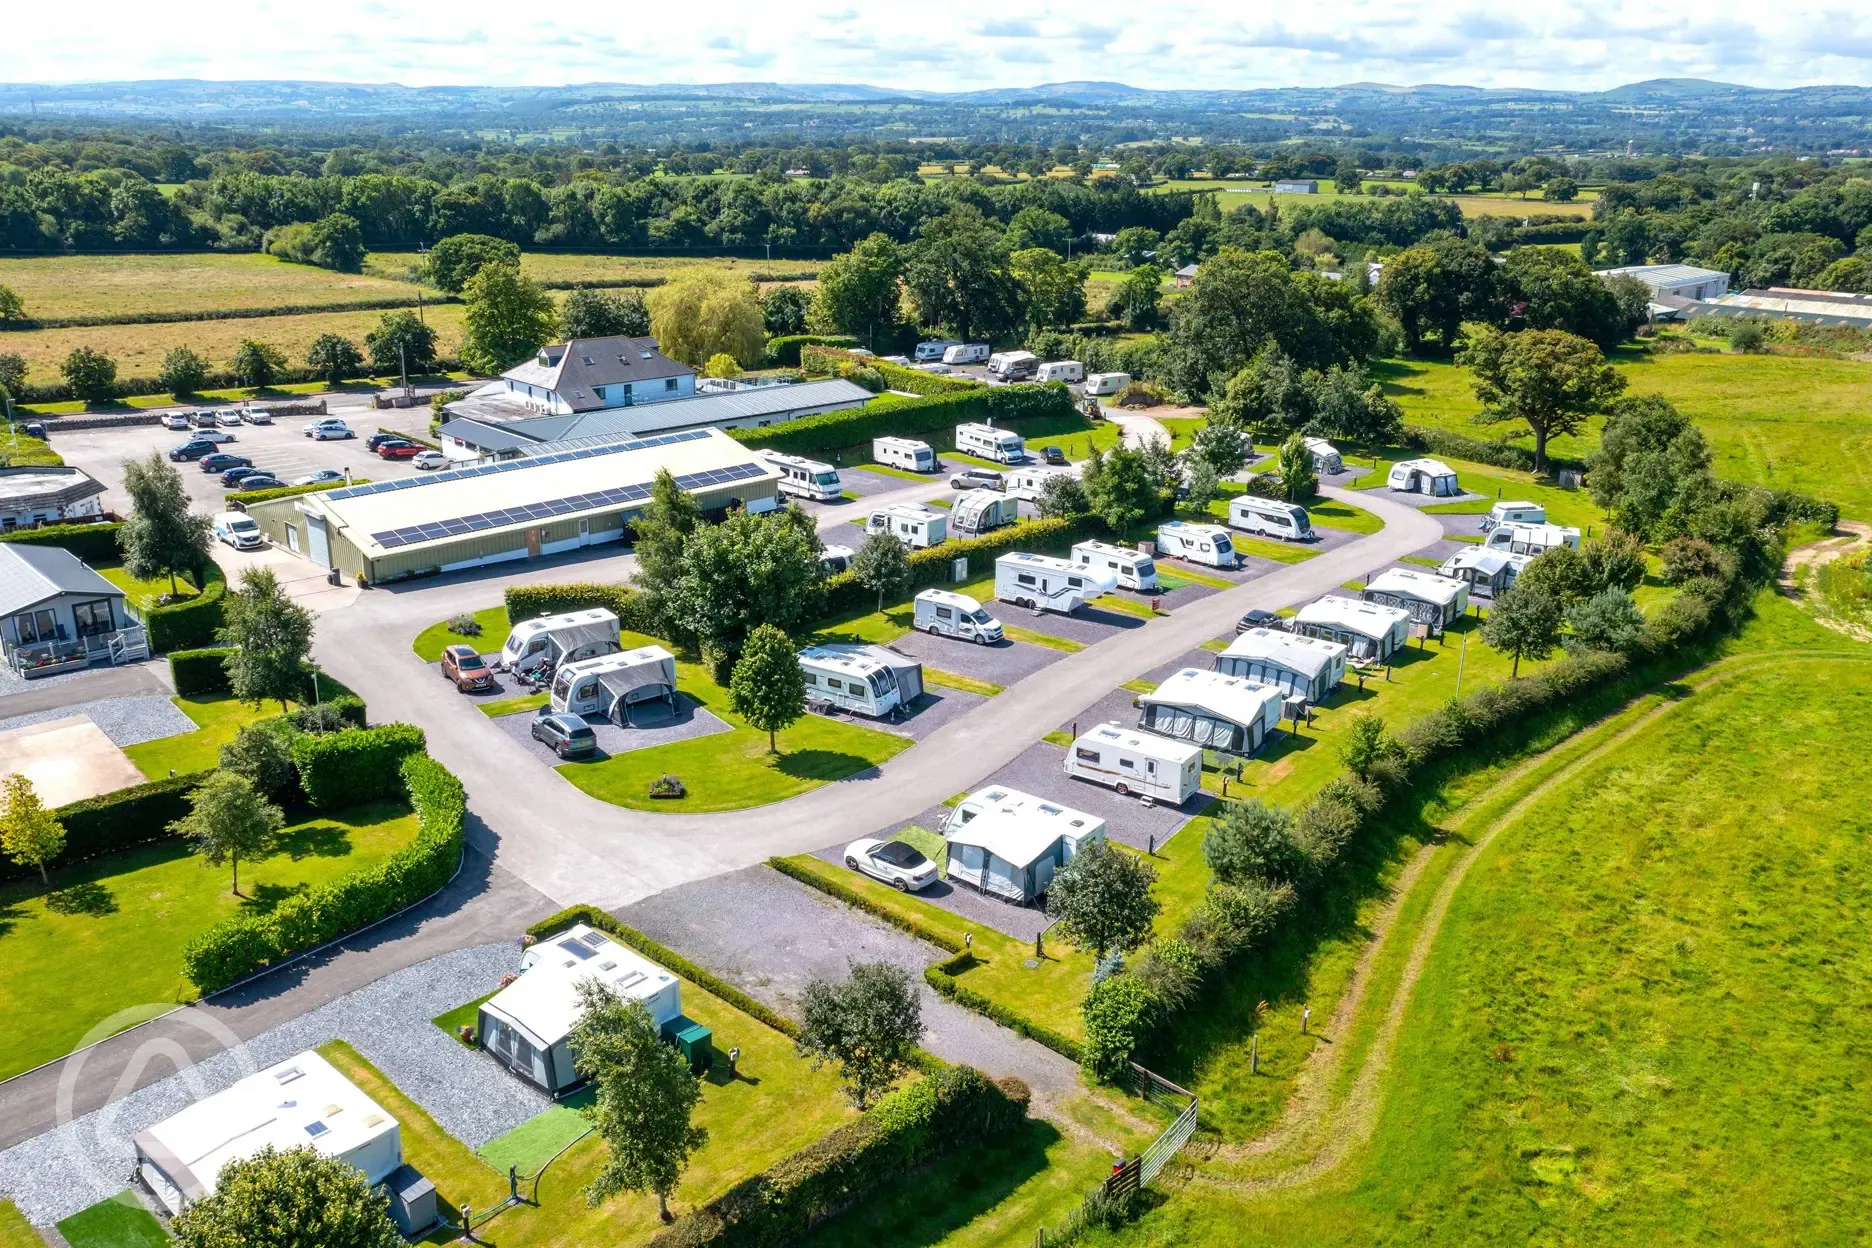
[(1531, 539), (1213, 711), (913, 524), (944, 613), (987, 442), (804, 478), (982, 511), (1326, 457), (1009, 844), (1061, 370), (1431, 598), (1207, 544), (863, 680), (966, 353), (1424, 476), (558, 639), (932, 352), (1307, 667), (1270, 518), (611, 684), (1106, 383), (1043, 583), (1370, 632), (1137, 762), (1133, 568), (835, 559), (1486, 572), (905, 453), (1029, 480), (1013, 365)]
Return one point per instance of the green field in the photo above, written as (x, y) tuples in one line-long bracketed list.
[(138, 285), (1237, 191), (120, 1222), (217, 716), (598, 268), (432, 641)]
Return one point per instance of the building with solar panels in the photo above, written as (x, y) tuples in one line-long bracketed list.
[(557, 498)]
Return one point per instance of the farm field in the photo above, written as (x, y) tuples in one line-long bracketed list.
[(98, 285), (1247, 190), (595, 267)]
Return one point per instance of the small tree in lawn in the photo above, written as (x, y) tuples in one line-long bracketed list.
[(162, 535), (229, 821), (883, 564), (30, 834), (767, 688), (645, 1098), (271, 638), (867, 1025), (1063, 495), (1253, 842), (1299, 481), (257, 364), (1548, 378), (1523, 623), (294, 1199), (1202, 485), (335, 357), (1102, 899)]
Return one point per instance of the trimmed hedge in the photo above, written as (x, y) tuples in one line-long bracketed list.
[(112, 822), (240, 946), (338, 769), (226, 314), (931, 566), (196, 672), (133, 387), (895, 415), (1497, 454), (631, 606), (784, 351), (838, 361), (852, 897), (93, 543), (192, 624), (246, 498), (955, 1108)]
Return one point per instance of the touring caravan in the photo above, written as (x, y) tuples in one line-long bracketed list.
[(966, 353), (1106, 383), (835, 559), (864, 680), (560, 639), (1326, 457), (1009, 844), (1429, 597), (982, 511), (1270, 518), (1137, 762), (1029, 480), (1013, 365), (611, 684), (990, 443), (1372, 633), (1514, 513), (1424, 476), (942, 613), (804, 478), (932, 352), (913, 524), (905, 453), (1207, 544), (1531, 539), (1310, 667), (1486, 572), (1133, 568), (1212, 711), (1042, 583), (1061, 370)]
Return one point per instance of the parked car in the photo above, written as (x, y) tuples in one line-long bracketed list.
[(380, 437), (464, 666), (204, 419), (194, 448), (330, 429), (934, 366), (234, 476), (215, 435), (978, 479), (430, 460), (261, 481), (228, 418), (1053, 455), (175, 420), (238, 530), (258, 415), (397, 448), (221, 461), (1260, 619), (898, 863), (320, 477), (567, 735)]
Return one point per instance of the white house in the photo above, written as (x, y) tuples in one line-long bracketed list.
[(33, 496), (55, 612), (589, 374), (1308, 666), (1213, 710), (1009, 844)]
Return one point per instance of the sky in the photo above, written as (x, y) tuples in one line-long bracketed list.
[(1560, 44)]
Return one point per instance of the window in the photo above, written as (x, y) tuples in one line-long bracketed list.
[(811, 679), (833, 683), (1025, 578), (94, 618), (670, 386), (1086, 756), (35, 627), (944, 613), (1127, 764)]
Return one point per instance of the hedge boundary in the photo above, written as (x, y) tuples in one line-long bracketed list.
[(195, 672), (828, 358), (93, 543), (247, 498), (386, 303), (529, 602), (192, 624), (895, 415), (112, 822), (783, 351), (339, 769), (931, 565), (139, 387)]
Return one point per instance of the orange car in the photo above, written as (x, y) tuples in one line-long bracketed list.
[(463, 665)]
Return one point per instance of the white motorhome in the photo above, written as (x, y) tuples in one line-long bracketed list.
[(1487, 572), (905, 453), (934, 350), (1270, 518), (1207, 544), (1514, 513), (1106, 383), (1531, 539), (1137, 762), (1326, 457), (864, 680), (982, 511), (561, 639), (804, 478), (1061, 370), (1430, 598), (1370, 632), (1213, 711), (1009, 844), (1133, 568), (943, 613), (1042, 583), (1307, 666), (610, 684), (913, 524), (1029, 480), (1013, 365), (966, 353), (1000, 445), (1424, 476)]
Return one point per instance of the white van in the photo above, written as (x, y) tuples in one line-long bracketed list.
[(913, 524), (966, 353), (1133, 568), (1207, 544), (941, 613), (988, 442), (1061, 370), (238, 530), (804, 478), (934, 349), (1107, 383), (1042, 583), (1513, 513), (1270, 518), (982, 511), (1137, 762), (905, 453), (1531, 539), (1013, 365)]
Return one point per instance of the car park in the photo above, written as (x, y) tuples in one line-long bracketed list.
[(397, 448), (430, 460), (190, 450), (175, 420), (228, 418), (1260, 619), (568, 736), (321, 477), (465, 666), (240, 472), (978, 479), (329, 429), (898, 863), (257, 415), (238, 530), (261, 481), (221, 461)]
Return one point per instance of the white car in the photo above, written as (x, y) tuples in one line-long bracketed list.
[(935, 366), (228, 418), (430, 460), (898, 863), (321, 477), (212, 435), (257, 416), (331, 429), (176, 420)]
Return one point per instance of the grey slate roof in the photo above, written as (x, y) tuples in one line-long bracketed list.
[(574, 370), (38, 488), (475, 424), (30, 575)]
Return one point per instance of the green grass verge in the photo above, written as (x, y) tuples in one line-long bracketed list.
[(967, 684), (514, 706), (461, 1016), (217, 717), (15, 1230), (930, 844), (141, 593), (537, 1140), (1064, 645), (432, 641), (885, 470), (1059, 737), (120, 1222)]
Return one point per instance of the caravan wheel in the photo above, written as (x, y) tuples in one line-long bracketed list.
[(1124, 790)]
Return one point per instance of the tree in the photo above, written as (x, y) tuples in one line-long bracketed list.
[(645, 1097), (294, 1199), (1560, 190), (92, 375), (1052, 291), (1253, 841), (746, 571), (228, 820), (507, 318), (1119, 490), (1063, 495), (768, 689), (601, 314), (1558, 291), (858, 291), (1433, 287), (338, 243), (257, 364), (1102, 899), (721, 364), (1242, 302), (1134, 304), (1652, 469), (182, 371), (958, 274), (401, 340), (665, 525), (30, 834), (1615, 561), (1524, 624), (1367, 746), (867, 1025), (1609, 620), (1222, 443), (1346, 176), (1201, 484), (1559, 572), (1034, 226), (12, 307), (262, 752), (708, 312), (455, 259), (335, 357), (1299, 481), (1133, 242), (784, 309), (1347, 407), (1747, 336), (271, 640), (12, 371), (882, 563), (162, 536), (1547, 378)]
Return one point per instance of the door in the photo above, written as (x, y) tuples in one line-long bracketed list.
[(585, 532), (292, 538), (318, 541), (533, 543)]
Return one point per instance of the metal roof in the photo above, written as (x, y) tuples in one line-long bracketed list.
[(29, 575), (1666, 274), (30, 488), (479, 413)]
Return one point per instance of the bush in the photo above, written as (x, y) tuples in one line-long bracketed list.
[(1119, 1012), (341, 769), (246, 498), (124, 819), (931, 567), (262, 752), (190, 624), (1139, 394), (93, 543), (344, 711), (529, 602), (784, 351), (195, 672), (893, 414), (464, 625)]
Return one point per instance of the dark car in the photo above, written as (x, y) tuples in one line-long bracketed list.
[(1260, 619), (221, 461), (261, 481), (192, 450), (977, 479), (379, 438), (240, 472), (397, 448), (1053, 455), (568, 735)]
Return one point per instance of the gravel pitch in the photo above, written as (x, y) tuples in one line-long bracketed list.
[(126, 721), (1087, 625), (1020, 922), (658, 727), (1005, 664)]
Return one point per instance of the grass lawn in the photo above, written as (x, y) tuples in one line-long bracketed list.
[(514, 706), (140, 594), (885, 470), (15, 1230), (120, 1222), (967, 684), (1065, 645), (930, 844), (461, 1016), (218, 716), (119, 285), (111, 938), (534, 1142), (432, 641)]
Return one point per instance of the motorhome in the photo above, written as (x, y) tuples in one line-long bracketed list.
[(926, 352), (1070, 371), (1029, 480), (1106, 383), (1370, 632), (1310, 667), (982, 511), (560, 639), (1207, 544), (804, 478), (1487, 572), (1137, 762), (1270, 518), (999, 445), (1213, 711), (864, 680), (1430, 598), (610, 684), (836, 559), (1009, 844), (1531, 539), (943, 613), (1424, 476), (1133, 568), (913, 524), (905, 453), (966, 353), (1326, 457), (1013, 365), (1042, 583), (1514, 513)]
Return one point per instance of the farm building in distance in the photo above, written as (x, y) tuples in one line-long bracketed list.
[(1683, 281)]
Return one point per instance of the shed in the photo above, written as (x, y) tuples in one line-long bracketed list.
[(1308, 666), (1371, 632), (1217, 711), (1430, 598), (1487, 572), (1009, 844), (1185, 276), (1424, 476)]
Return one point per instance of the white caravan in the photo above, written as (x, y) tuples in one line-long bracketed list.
[(611, 684), (1013, 365), (999, 445), (1307, 666), (982, 511), (1487, 572), (966, 353), (836, 559), (1008, 844), (865, 680), (1514, 513), (943, 613), (1137, 762), (1207, 544), (561, 639), (804, 478), (1133, 568), (1430, 598), (1042, 583), (905, 453), (1213, 711), (928, 352), (1061, 370), (1326, 457), (1424, 476), (1372, 633), (1029, 480), (1106, 383), (1270, 518), (913, 524), (1531, 539)]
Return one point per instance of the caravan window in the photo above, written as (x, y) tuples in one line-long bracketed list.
[(1025, 578), (1076, 582), (811, 679), (1086, 756), (588, 689), (944, 613), (1127, 764), (882, 683), (832, 682)]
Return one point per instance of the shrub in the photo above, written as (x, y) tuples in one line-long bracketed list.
[(93, 543), (464, 625), (262, 752), (246, 498), (124, 819), (1139, 394), (1119, 1012), (340, 769), (784, 351), (529, 602), (1252, 841), (195, 672), (344, 711), (894, 414), (190, 624)]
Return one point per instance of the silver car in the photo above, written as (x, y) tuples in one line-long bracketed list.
[(898, 863)]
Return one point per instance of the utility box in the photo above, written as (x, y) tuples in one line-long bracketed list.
[(694, 1041), (412, 1201)]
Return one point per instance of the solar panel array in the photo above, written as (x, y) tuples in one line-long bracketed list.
[(510, 465), (617, 496)]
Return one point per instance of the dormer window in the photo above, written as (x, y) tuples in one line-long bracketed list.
[(543, 360)]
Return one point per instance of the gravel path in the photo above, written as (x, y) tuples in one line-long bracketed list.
[(126, 721)]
